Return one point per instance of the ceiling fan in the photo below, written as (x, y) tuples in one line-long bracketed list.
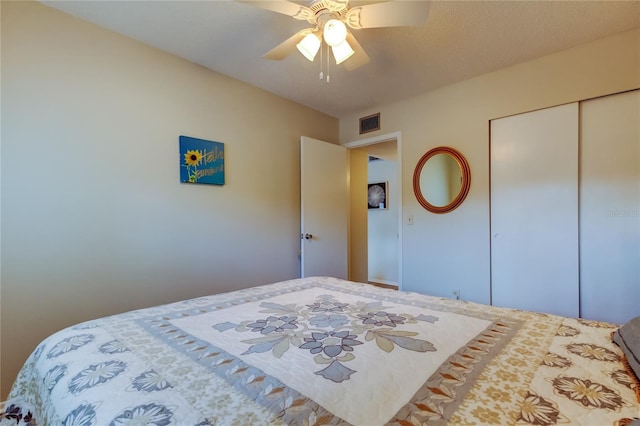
[(330, 19)]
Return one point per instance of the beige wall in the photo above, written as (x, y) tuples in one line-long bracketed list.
[(358, 222), (1, 387), (451, 251), (94, 219)]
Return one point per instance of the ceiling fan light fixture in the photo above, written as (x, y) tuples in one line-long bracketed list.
[(309, 46), (342, 52), (335, 32)]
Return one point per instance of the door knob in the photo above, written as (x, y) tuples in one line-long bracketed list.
[(308, 236)]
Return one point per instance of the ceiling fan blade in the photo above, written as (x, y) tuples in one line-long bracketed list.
[(359, 57), (336, 5), (388, 14), (285, 48), (285, 7)]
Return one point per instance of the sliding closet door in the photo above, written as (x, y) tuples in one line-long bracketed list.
[(534, 211), (610, 208)]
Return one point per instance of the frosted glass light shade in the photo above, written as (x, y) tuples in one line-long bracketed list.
[(342, 52), (309, 46), (335, 32)]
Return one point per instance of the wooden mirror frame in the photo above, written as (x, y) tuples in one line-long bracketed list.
[(466, 179)]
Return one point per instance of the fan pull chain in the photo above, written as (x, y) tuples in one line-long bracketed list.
[(321, 76), (328, 61), (321, 55)]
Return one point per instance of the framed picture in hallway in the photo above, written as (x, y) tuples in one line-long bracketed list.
[(377, 196)]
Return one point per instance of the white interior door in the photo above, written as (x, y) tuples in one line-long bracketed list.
[(324, 208), (534, 211), (610, 208)]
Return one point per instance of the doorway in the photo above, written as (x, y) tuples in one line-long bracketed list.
[(375, 247)]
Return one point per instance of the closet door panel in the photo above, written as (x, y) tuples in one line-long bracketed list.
[(534, 211), (610, 208)]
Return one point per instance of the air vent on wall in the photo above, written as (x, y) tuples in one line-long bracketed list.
[(370, 123)]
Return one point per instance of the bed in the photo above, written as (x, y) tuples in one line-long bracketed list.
[(323, 351)]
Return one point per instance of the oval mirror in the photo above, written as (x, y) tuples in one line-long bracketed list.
[(441, 179)]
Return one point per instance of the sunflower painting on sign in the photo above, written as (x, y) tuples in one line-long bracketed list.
[(377, 196), (201, 161)]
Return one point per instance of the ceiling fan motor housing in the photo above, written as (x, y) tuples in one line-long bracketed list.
[(324, 10)]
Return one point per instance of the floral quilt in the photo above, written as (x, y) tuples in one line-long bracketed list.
[(323, 351)]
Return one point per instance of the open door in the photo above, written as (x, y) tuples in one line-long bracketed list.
[(324, 194)]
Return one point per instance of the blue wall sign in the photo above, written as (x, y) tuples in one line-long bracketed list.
[(201, 161)]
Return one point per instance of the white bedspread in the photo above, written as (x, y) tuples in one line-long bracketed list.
[(325, 351)]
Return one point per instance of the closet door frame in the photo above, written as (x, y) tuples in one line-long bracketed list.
[(534, 210), (610, 207)]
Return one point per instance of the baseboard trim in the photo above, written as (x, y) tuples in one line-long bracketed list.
[(379, 283), (385, 282)]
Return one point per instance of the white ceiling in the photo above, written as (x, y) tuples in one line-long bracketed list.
[(460, 40)]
